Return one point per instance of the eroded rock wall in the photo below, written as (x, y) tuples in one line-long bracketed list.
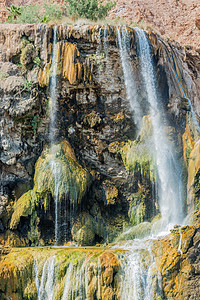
[(96, 119)]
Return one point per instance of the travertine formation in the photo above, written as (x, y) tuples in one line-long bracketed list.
[(106, 164)]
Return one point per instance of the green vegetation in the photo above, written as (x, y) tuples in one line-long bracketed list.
[(98, 59), (51, 12), (14, 13), (89, 9), (34, 13), (37, 61), (137, 155), (3, 75), (73, 183), (28, 85)]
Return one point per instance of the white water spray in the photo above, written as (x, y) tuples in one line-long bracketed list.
[(138, 280), (45, 287), (52, 130), (169, 172), (131, 89), (67, 291), (53, 90)]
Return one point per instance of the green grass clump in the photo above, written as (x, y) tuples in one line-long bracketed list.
[(89, 9), (52, 12)]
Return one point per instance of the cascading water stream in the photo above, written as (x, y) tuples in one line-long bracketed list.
[(139, 262), (131, 89), (45, 288), (66, 291), (169, 172), (37, 283), (52, 135), (53, 91), (52, 130)]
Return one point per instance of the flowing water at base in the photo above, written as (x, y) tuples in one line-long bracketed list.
[(45, 287), (77, 280), (141, 279)]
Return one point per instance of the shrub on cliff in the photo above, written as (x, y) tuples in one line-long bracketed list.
[(34, 13), (89, 9), (14, 12)]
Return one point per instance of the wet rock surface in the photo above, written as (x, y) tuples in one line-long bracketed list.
[(94, 116), (99, 138)]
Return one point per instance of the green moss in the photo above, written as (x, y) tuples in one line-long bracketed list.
[(23, 207), (139, 209), (73, 179), (137, 155), (139, 231), (30, 291), (28, 54), (34, 234), (59, 162), (92, 119), (86, 227)]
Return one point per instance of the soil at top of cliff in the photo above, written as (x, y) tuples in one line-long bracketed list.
[(177, 19)]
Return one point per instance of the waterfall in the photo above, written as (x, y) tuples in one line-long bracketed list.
[(140, 280), (53, 91), (52, 132), (75, 281), (66, 291), (105, 41), (37, 283), (129, 79), (45, 287), (169, 172)]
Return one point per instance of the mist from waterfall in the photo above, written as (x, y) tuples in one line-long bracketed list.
[(141, 280)]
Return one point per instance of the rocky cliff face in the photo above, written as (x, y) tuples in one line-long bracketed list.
[(96, 119), (107, 171)]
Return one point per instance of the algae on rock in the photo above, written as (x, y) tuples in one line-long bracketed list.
[(137, 155), (87, 228), (73, 184)]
